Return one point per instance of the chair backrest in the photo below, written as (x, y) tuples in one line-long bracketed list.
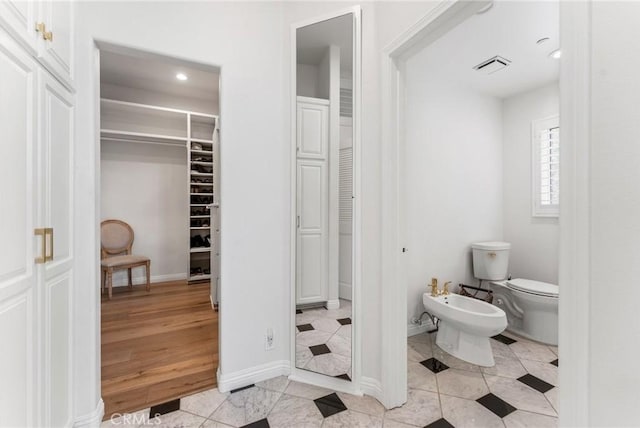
[(116, 237)]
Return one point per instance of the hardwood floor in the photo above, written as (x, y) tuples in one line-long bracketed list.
[(157, 346)]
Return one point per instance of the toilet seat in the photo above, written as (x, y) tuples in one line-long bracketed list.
[(534, 287)]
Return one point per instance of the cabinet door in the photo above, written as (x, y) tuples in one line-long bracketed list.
[(312, 130), (18, 246), (18, 17), (312, 239), (56, 124), (57, 53)]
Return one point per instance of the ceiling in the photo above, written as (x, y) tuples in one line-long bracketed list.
[(158, 74), (510, 30), (313, 40)]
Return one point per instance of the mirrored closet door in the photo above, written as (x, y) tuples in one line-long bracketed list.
[(324, 196)]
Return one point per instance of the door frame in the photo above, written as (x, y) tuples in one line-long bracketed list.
[(574, 222), (297, 374)]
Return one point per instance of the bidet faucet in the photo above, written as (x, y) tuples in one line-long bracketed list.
[(445, 288), (434, 287)]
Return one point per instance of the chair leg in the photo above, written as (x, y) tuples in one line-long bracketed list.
[(110, 282), (130, 282), (148, 276)]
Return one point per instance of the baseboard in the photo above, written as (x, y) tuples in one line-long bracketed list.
[(333, 304), (344, 290), (372, 387), (413, 329), (138, 280), (91, 420), (230, 381)]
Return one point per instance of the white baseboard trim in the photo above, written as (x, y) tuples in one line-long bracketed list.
[(138, 280), (372, 387), (230, 381), (345, 291), (333, 304), (91, 420), (413, 329)]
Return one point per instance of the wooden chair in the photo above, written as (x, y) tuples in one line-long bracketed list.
[(116, 242)]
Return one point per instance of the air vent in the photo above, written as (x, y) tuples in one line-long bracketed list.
[(492, 65)]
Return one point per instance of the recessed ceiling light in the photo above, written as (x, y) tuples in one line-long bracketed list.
[(555, 54), (181, 76)]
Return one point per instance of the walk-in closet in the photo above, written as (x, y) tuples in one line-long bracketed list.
[(160, 227)]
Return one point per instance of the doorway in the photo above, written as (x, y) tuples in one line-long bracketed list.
[(160, 228)]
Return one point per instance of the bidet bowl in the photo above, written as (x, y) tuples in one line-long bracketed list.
[(465, 326)]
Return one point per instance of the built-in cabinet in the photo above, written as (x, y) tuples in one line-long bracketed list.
[(45, 30), (312, 166), (198, 134), (36, 213)]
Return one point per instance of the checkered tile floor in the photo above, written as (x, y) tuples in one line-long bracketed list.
[(520, 391), (323, 340)]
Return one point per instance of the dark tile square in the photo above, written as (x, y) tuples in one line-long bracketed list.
[(262, 423), (504, 339), (535, 383), (164, 408), (434, 365), (344, 376), (344, 321), (319, 349), (330, 405), (242, 388), (298, 311), (554, 362), (440, 423), (496, 404), (305, 327)]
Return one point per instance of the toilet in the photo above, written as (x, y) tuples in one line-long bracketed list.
[(531, 306)]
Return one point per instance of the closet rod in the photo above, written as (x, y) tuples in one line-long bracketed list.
[(158, 143)]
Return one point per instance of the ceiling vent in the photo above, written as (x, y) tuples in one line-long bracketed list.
[(492, 65)]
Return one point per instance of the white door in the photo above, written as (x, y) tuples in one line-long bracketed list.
[(56, 124), (56, 52), (19, 18), (18, 271), (312, 241)]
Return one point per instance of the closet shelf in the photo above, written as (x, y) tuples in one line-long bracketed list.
[(202, 152), (201, 184), (201, 194), (201, 163), (200, 216), (201, 140), (201, 228), (141, 137), (202, 174), (199, 277), (201, 250), (200, 205)]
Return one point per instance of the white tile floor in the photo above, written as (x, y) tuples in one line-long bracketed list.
[(460, 396), (316, 327)]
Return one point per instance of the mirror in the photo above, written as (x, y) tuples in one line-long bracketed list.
[(324, 196)]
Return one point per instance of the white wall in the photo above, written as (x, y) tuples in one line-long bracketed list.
[(307, 80), (452, 180), (135, 95), (614, 182), (534, 240), (145, 185)]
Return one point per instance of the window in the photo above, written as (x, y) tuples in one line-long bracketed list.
[(546, 167)]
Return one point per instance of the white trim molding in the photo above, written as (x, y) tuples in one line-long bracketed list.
[(92, 419), (231, 381), (141, 279)]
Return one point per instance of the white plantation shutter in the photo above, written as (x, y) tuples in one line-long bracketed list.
[(550, 166), (346, 184), (546, 167)]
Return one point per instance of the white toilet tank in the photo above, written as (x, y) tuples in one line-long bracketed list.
[(490, 260)]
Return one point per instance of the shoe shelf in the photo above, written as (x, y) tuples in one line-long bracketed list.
[(203, 150)]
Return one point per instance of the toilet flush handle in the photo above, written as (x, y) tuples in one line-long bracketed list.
[(492, 254)]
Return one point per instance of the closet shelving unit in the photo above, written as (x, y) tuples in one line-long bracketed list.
[(198, 134)]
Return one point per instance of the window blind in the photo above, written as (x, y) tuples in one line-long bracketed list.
[(550, 167), (345, 184), (346, 102)]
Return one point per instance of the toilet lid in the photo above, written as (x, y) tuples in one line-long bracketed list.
[(533, 287)]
